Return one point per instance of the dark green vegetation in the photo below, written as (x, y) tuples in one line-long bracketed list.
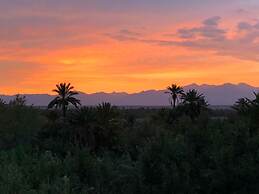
[(102, 150)]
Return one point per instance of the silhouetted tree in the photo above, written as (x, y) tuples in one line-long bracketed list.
[(84, 123), (194, 102), (253, 110), (2, 102), (65, 97), (242, 106), (105, 112), (254, 102), (18, 101), (52, 116), (175, 91), (108, 126)]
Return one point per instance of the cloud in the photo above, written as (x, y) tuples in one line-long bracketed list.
[(30, 35), (242, 11), (213, 21), (244, 26), (51, 24), (209, 36), (111, 5), (125, 35), (243, 43), (210, 29)]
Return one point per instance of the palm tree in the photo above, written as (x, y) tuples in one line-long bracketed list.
[(18, 101), (194, 103), (242, 105), (252, 114), (65, 97), (2, 102), (254, 102), (84, 124), (106, 112), (175, 91)]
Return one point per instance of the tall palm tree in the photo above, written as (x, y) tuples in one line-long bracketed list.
[(65, 97), (194, 103), (175, 91)]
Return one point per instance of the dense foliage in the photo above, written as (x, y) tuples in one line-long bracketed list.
[(102, 150)]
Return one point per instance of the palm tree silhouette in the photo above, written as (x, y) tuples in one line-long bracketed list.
[(65, 97), (194, 103), (175, 91), (18, 101), (242, 105), (105, 112), (254, 102), (2, 102)]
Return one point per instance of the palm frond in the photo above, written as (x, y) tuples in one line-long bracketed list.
[(53, 103)]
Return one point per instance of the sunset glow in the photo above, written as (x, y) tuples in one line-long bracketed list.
[(126, 45)]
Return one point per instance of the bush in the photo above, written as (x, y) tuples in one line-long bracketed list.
[(105, 150)]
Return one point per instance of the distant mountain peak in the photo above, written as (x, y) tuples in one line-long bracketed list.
[(229, 85), (224, 94), (80, 92), (192, 85), (244, 85)]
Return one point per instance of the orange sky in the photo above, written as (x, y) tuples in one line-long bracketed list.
[(128, 47)]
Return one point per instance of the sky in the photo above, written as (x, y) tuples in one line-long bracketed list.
[(126, 45)]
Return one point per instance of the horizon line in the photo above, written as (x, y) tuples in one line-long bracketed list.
[(130, 93)]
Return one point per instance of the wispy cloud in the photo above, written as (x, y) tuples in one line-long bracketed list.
[(209, 29), (244, 44), (125, 35)]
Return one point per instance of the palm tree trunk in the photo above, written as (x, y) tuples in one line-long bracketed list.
[(64, 110), (174, 102)]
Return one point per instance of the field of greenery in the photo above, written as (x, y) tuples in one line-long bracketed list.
[(187, 148)]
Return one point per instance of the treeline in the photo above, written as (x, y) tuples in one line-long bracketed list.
[(185, 149)]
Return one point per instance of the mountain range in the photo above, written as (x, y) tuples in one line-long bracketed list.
[(225, 94)]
